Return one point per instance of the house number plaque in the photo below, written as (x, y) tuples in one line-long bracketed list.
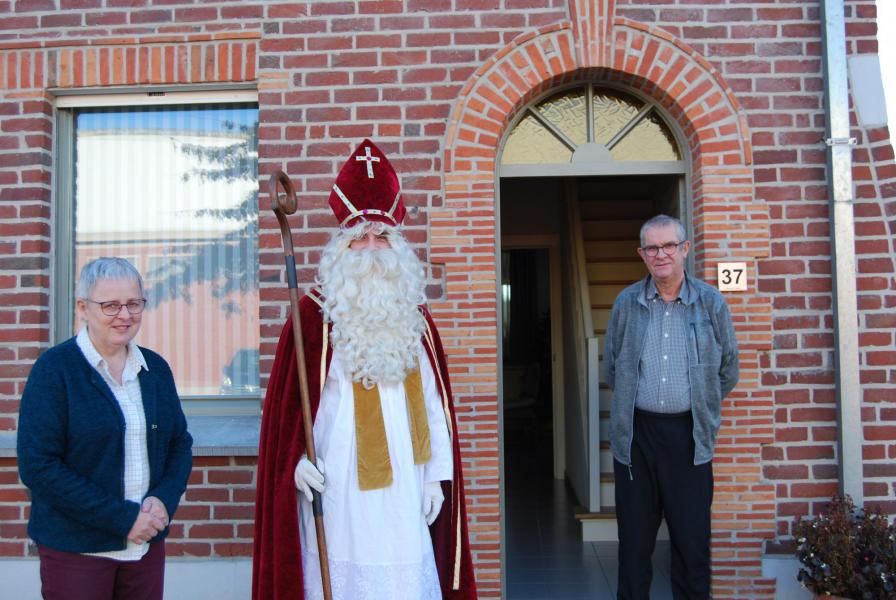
[(733, 276)]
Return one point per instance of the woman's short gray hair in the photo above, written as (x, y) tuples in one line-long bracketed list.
[(664, 221), (105, 268)]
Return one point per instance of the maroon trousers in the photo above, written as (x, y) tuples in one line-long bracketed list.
[(71, 576)]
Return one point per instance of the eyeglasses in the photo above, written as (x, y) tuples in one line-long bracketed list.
[(669, 249), (112, 308)]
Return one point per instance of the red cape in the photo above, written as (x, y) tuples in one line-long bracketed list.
[(276, 557)]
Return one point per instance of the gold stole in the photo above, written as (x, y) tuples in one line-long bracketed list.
[(374, 467)]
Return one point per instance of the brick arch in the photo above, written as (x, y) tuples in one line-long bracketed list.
[(728, 225), (688, 87), (692, 92)]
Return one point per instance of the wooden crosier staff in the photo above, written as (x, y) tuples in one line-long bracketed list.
[(282, 207)]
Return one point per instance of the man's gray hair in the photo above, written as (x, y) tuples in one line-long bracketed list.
[(664, 221), (105, 268)]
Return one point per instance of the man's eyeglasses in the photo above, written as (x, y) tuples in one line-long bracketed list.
[(112, 308), (668, 249)]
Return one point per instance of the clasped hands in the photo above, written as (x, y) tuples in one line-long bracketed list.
[(152, 518), (308, 477)]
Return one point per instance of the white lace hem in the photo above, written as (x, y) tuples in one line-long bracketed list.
[(352, 581)]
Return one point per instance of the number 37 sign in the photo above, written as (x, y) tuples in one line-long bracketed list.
[(733, 276)]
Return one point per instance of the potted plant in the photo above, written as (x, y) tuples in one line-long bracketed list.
[(847, 553)]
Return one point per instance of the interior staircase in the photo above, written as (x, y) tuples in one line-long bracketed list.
[(610, 237)]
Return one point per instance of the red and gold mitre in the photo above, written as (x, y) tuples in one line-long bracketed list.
[(367, 189)]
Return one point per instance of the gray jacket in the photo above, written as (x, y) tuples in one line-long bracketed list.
[(712, 360)]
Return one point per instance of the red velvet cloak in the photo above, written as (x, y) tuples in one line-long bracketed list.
[(276, 560)]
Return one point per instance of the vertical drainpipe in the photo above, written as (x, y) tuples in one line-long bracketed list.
[(840, 190)]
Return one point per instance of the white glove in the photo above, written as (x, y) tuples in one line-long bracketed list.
[(308, 476), (432, 501)]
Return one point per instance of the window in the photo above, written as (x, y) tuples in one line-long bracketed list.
[(173, 188), (588, 130)]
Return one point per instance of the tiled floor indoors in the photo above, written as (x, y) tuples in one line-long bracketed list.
[(546, 558)]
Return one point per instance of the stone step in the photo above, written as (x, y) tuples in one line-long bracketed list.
[(601, 526)]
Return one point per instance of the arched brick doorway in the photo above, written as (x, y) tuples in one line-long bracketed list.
[(727, 224)]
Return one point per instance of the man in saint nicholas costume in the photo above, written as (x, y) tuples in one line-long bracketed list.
[(385, 434)]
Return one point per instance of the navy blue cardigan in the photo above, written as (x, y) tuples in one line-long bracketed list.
[(70, 448)]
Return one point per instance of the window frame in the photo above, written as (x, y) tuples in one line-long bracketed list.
[(210, 409)]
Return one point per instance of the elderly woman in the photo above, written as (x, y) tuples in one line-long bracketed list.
[(104, 448)]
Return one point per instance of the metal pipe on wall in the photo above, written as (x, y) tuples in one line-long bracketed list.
[(840, 190)]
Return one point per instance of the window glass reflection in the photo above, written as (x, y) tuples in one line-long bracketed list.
[(174, 190)]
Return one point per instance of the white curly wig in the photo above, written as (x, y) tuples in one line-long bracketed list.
[(372, 297)]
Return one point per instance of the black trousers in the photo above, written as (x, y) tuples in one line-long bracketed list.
[(663, 481)]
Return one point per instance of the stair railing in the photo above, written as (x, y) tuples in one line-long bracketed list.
[(587, 352)]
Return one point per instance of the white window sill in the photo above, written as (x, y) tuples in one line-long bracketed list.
[(212, 436)]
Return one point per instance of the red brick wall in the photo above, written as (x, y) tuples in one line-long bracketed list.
[(875, 176), (787, 120), (13, 511), (215, 517), (436, 82)]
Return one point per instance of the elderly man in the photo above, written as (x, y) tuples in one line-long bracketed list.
[(671, 357), (385, 435)]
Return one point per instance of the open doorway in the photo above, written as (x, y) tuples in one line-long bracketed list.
[(526, 344), (557, 466), (532, 223), (538, 500), (532, 355), (584, 164)]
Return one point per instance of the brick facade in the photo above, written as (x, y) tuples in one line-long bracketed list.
[(437, 83)]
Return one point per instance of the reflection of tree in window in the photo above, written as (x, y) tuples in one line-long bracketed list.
[(176, 187), (218, 261)]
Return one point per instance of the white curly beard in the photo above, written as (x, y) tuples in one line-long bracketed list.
[(372, 298)]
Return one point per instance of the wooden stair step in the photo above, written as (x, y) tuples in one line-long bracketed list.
[(625, 282), (582, 514), (614, 259)]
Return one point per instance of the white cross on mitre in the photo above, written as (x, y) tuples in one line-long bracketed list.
[(369, 159)]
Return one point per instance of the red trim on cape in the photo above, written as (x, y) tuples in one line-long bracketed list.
[(276, 560)]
